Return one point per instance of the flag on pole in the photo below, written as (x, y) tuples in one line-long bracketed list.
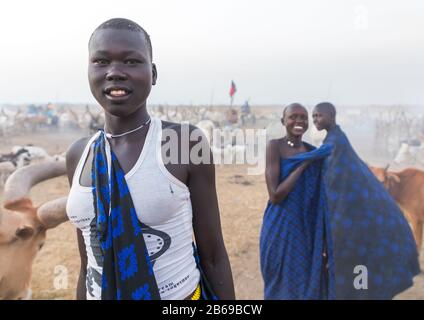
[(233, 89)]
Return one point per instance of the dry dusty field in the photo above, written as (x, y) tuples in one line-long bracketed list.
[(242, 199)]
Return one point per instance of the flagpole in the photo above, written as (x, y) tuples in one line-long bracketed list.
[(232, 92), (212, 94)]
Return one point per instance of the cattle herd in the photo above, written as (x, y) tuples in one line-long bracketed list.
[(393, 133)]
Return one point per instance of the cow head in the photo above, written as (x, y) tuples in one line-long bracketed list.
[(23, 226), (387, 178)]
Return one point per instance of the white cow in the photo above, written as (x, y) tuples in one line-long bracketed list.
[(207, 128), (410, 154), (33, 155), (22, 156), (316, 137), (215, 116)]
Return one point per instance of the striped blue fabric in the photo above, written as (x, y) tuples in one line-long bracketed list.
[(368, 228), (127, 268), (295, 234)]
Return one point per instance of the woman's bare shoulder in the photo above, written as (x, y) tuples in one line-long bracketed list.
[(73, 154)]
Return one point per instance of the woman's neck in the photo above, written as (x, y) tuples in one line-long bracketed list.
[(117, 125), (294, 141), (331, 127)]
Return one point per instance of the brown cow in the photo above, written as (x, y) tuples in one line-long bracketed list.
[(23, 226), (407, 188)]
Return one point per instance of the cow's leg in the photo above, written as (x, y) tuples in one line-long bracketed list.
[(419, 233), (417, 229)]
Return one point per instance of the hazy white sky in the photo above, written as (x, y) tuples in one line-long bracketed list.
[(276, 51)]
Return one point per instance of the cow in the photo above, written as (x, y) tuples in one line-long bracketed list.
[(23, 156), (68, 119), (30, 154), (23, 226), (33, 153), (9, 162), (18, 157), (96, 121), (410, 153), (207, 127), (316, 137), (407, 188)]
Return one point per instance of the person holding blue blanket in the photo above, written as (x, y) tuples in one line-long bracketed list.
[(295, 249), (374, 251)]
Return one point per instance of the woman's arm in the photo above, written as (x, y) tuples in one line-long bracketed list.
[(72, 157), (278, 192), (81, 287), (207, 228)]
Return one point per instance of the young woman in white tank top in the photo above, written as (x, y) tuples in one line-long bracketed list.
[(177, 202), (162, 202)]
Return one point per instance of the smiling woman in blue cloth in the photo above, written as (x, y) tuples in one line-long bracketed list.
[(368, 228), (295, 252)]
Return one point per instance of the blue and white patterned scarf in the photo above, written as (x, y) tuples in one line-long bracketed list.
[(127, 268)]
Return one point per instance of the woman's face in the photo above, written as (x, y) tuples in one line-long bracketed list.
[(296, 120), (120, 71)]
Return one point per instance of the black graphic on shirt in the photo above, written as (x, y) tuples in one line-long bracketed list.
[(162, 239)]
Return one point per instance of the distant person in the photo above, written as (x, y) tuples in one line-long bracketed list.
[(49, 112), (137, 215), (295, 253), (32, 110), (374, 251), (245, 108), (245, 112)]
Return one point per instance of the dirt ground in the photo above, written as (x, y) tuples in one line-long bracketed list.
[(242, 199)]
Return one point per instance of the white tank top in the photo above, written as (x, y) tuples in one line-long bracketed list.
[(162, 202)]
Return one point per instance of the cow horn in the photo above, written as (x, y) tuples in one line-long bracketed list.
[(53, 213), (17, 187), (387, 167)]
